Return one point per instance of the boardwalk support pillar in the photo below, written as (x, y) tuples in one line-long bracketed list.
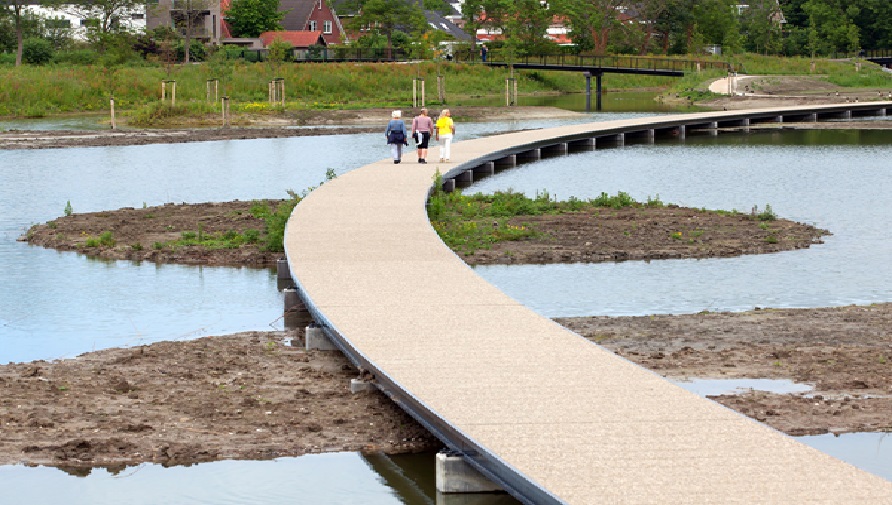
[(316, 340), (588, 90), (362, 386), (455, 475), (282, 270), (598, 90), (296, 313)]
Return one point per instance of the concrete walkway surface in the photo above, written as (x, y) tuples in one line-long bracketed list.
[(523, 395)]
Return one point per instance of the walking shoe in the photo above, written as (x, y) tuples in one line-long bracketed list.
[(396, 161), (422, 160), (441, 160)]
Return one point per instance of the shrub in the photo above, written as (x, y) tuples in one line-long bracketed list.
[(37, 51), (197, 51), (76, 57), (106, 239)]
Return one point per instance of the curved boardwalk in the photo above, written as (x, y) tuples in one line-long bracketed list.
[(550, 415)]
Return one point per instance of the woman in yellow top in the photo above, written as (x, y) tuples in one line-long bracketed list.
[(445, 132)]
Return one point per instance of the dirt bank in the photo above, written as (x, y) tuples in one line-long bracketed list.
[(845, 353), (594, 235), (252, 396), (292, 124), (756, 92), (243, 396)]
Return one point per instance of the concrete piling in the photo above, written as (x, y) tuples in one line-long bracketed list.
[(455, 475)]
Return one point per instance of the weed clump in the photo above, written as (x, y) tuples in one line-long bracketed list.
[(467, 223)]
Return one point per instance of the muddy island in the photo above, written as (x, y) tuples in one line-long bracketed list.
[(259, 395)]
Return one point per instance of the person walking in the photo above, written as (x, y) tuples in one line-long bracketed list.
[(396, 135), (422, 128), (445, 132)]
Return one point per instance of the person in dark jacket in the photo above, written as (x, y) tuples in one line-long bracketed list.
[(396, 135)]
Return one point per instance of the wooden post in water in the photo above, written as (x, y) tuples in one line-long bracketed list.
[(173, 91), (212, 83), (225, 107), (113, 125), (417, 91), (510, 91)]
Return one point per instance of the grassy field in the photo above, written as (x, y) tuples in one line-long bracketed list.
[(37, 91), (31, 91), (841, 73)]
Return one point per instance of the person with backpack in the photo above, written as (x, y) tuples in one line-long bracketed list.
[(422, 128), (396, 135)]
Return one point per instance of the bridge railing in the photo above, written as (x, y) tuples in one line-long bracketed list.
[(579, 60)]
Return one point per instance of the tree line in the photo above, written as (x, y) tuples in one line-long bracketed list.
[(772, 27)]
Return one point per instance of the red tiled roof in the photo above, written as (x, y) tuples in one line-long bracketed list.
[(297, 38)]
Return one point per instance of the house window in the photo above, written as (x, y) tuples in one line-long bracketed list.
[(313, 26), (326, 27), (57, 23)]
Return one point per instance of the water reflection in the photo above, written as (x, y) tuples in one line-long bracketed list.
[(715, 387), (836, 180), (868, 451), (333, 478)]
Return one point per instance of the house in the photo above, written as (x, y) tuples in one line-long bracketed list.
[(75, 20), (313, 15), (209, 24), (205, 15)]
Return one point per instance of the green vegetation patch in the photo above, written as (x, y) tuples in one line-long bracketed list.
[(467, 223)]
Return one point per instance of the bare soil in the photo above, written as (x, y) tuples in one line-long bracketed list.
[(254, 396), (589, 236), (844, 352), (311, 122), (782, 91), (243, 396)]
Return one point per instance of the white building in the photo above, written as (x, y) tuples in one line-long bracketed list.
[(75, 21)]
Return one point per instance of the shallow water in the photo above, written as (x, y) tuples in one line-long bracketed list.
[(715, 387), (61, 304), (837, 180), (868, 451), (56, 305)]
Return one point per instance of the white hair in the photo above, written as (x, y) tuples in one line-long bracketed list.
[(397, 113)]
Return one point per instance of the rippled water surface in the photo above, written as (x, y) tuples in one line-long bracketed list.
[(60, 304), (838, 180)]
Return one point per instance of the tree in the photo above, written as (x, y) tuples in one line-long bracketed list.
[(250, 18), (108, 13), (760, 24), (529, 25), (386, 17), (875, 23), (591, 20), (17, 9), (649, 12), (492, 15), (833, 25)]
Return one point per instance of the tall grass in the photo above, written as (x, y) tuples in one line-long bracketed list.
[(32, 90), (839, 72), (467, 223)]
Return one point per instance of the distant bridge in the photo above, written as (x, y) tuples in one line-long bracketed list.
[(597, 66)]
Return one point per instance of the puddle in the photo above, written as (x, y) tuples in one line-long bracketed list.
[(871, 452), (715, 387)]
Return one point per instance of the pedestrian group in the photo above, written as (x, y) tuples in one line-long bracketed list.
[(423, 128)]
